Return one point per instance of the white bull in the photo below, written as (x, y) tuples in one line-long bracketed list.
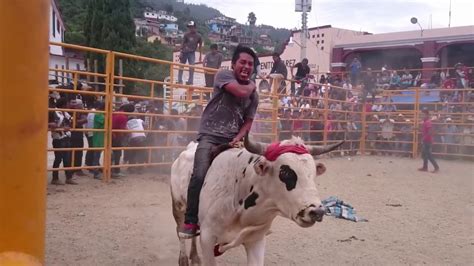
[(242, 194)]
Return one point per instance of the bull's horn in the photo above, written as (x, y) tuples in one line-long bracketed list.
[(254, 147), (318, 150)]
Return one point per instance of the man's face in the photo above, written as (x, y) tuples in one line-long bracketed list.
[(304, 62), (243, 67), (192, 29)]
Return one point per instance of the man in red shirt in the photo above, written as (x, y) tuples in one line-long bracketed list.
[(119, 121), (427, 137)]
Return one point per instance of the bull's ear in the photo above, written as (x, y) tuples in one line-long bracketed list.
[(262, 166), (320, 169)]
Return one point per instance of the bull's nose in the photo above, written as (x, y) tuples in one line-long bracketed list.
[(317, 214)]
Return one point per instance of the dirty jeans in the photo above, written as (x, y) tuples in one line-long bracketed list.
[(202, 162), (190, 57)]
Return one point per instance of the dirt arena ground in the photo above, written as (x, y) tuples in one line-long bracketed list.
[(414, 218)]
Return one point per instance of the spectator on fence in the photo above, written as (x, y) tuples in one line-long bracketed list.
[(384, 81), (427, 143), (302, 70), (417, 80), (406, 80), (356, 67), (59, 122), (90, 125), (368, 85), (98, 138), (306, 116), (461, 74), (77, 137), (136, 139), (395, 80), (444, 75), (279, 67), (213, 59), (191, 41), (286, 124)]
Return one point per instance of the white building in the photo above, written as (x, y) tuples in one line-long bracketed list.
[(150, 14), (59, 57)]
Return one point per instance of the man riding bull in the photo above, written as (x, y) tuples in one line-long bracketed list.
[(225, 120)]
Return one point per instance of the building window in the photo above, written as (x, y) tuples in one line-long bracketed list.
[(54, 24), (318, 36), (322, 41), (313, 36), (317, 42), (58, 25), (322, 47), (322, 35)]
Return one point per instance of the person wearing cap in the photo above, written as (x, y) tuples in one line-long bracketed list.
[(191, 41), (77, 137), (278, 67), (213, 59), (226, 119), (427, 137)]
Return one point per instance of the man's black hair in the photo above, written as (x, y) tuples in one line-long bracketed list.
[(214, 46), (61, 102), (276, 54), (243, 49)]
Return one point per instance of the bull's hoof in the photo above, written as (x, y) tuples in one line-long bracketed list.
[(217, 253)]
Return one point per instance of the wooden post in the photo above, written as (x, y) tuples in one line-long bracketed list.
[(23, 157)]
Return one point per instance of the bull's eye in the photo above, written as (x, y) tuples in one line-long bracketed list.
[(288, 176)]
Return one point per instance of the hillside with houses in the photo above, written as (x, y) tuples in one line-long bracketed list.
[(164, 21)]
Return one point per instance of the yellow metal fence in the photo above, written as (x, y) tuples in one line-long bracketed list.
[(324, 115)]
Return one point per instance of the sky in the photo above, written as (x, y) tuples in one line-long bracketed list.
[(374, 16)]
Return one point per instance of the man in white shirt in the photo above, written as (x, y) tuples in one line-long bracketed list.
[(90, 125), (137, 139)]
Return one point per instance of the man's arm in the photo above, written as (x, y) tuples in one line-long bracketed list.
[(240, 90), (291, 71), (243, 131)]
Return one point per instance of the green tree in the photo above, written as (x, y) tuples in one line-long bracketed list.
[(252, 19)]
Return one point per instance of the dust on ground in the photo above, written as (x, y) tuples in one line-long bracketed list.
[(414, 218)]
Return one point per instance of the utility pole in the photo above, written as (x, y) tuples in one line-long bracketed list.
[(304, 34), (449, 24), (303, 6)]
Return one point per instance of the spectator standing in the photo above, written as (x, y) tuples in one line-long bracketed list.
[(213, 59), (427, 137), (407, 79), (89, 134), (137, 139), (98, 139), (60, 122), (191, 41), (119, 122), (77, 137), (355, 66)]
